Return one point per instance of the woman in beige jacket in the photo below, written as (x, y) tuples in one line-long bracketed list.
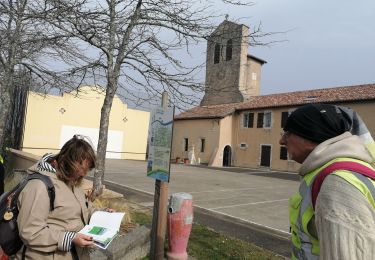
[(53, 234)]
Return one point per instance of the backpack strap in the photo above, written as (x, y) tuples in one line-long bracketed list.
[(49, 185), (345, 165), (24, 252)]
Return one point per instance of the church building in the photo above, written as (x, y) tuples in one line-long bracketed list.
[(235, 125)]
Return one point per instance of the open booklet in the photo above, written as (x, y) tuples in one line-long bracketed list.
[(103, 227)]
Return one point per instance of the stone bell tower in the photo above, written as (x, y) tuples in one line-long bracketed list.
[(231, 74)]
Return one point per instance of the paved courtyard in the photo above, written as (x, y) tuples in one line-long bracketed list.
[(256, 196)]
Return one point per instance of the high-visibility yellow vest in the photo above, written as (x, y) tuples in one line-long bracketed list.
[(301, 212), (1, 160)]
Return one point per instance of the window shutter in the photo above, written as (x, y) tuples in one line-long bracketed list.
[(284, 117), (251, 120), (260, 120)]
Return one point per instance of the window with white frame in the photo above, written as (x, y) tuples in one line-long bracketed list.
[(248, 120), (267, 119)]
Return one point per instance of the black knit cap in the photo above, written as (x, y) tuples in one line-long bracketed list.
[(318, 122)]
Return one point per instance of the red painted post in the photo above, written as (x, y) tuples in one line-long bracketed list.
[(180, 221)]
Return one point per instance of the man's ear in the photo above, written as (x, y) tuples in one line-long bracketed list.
[(310, 145)]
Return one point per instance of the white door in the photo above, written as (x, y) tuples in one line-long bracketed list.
[(115, 139)]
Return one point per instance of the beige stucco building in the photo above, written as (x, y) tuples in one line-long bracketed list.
[(247, 134), (234, 125), (51, 120)]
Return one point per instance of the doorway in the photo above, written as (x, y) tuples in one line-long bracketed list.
[(227, 156), (265, 156)]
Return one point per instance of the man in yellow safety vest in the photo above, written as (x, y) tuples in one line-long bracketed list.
[(334, 219)]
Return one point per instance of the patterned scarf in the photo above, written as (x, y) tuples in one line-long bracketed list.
[(44, 165)]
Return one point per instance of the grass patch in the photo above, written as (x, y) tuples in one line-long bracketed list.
[(141, 218), (205, 243)]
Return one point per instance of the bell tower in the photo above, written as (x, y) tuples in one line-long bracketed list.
[(228, 66)]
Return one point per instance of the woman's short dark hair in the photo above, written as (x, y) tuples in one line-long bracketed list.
[(71, 156)]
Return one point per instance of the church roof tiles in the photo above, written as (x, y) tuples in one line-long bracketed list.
[(328, 95)]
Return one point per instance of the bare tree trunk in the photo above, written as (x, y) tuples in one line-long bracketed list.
[(103, 137), (113, 72), (16, 119), (4, 112)]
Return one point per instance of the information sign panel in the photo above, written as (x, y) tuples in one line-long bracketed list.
[(159, 143)]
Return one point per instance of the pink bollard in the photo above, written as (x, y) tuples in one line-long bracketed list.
[(180, 221)]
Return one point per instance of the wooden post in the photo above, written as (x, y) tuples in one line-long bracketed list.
[(159, 216)]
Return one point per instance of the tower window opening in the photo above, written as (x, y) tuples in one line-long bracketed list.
[(228, 52), (217, 53)]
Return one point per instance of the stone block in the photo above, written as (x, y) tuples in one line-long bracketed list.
[(130, 246)]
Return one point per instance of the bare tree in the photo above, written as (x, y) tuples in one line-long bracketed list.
[(131, 44), (28, 46)]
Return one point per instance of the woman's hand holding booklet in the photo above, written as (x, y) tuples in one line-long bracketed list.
[(103, 227)]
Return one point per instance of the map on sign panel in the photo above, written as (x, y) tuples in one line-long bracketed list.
[(160, 140)]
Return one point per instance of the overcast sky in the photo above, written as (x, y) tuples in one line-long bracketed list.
[(329, 43)]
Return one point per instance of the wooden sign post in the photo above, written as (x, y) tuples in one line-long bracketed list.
[(159, 138)]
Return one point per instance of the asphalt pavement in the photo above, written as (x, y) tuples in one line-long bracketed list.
[(248, 204)]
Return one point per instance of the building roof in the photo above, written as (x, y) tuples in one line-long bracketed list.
[(256, 59), (328, 95), (208, 112)]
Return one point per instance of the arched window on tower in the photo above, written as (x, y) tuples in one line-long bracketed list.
[(228, 53), (217, 53)]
